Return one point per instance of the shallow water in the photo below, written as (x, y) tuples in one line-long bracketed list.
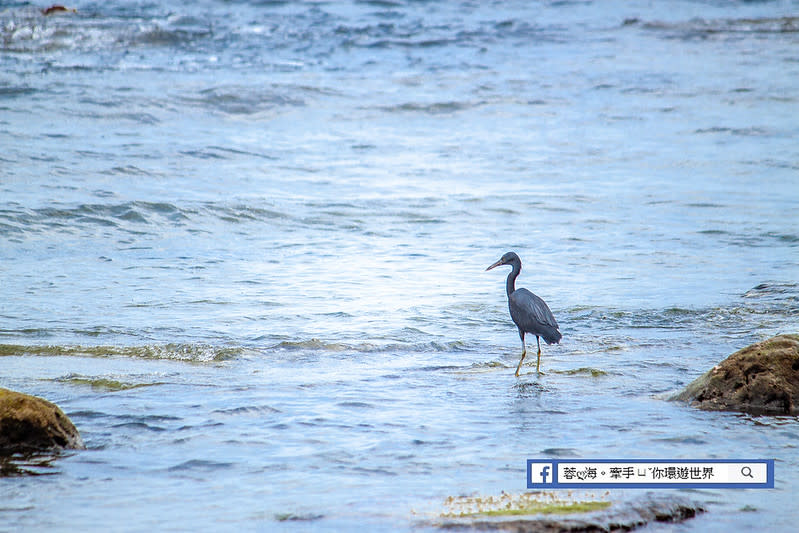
[(243, 246)]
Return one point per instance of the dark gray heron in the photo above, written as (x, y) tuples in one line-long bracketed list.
[(530, 313)]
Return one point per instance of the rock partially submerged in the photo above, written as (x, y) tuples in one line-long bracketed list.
[(29, 425), (624, 516), (57, 8), (760, 379)]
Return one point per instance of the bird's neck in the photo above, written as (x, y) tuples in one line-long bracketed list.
[(510, 285)]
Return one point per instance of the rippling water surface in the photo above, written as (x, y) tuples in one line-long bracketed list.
[(242, 244)]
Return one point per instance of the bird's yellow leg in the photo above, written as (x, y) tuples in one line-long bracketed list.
[(524, 352), (520, 363), (538, 363)]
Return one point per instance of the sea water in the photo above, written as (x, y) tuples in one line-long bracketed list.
[(242, 245)]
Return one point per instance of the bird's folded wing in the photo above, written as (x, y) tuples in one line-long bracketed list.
[(530, 311)]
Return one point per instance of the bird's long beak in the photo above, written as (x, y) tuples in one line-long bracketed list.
[(495, 265)]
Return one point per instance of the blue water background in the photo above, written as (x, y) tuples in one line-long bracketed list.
[(268, 224)]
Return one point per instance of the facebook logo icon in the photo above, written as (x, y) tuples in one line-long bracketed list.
[(544, 473), (540, 473)]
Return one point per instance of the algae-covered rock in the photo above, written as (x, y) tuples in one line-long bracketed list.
[(29, 424), (525, 504), (761, 379), (560, 518)]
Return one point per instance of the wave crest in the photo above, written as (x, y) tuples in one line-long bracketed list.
[(200, 353)]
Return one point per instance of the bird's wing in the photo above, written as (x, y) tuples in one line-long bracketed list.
[(530, 310)]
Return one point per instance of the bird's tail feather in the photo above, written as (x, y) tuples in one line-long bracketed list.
[(551, 336)]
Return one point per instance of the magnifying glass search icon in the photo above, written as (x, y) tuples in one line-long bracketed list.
[(747, 472)]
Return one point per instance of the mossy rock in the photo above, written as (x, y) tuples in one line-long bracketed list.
[(760, 379), (29, 425), (542, 512), (525, 504)]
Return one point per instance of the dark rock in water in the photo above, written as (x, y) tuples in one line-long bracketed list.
[(29, 424), (624, 516), (760, 379), (57, 8)]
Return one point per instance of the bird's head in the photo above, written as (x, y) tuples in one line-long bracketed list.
[(507, 259)]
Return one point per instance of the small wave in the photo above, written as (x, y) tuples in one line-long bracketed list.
[(410, 43), (435, 108), (586, 371), (149, 418), (752, 131), (418, 34), (13, 92), (88, 414), (243, 100), (773, 288), (756, 305), (244, 213), (470, 369), (20, 220), (247, 410), (356, 405), (292, 517), (126, 170), (560, 452), (139, 426), (389, 35), (200, 353), (367, 347), (777, 299), (705, 29), (27, 30), (677, 441), (200, 464), (782, 238), (107, 384), (222, 153), (488, 365), (157, 35), (129, 217), (316, 345)]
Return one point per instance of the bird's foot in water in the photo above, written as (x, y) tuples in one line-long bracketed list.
[(519, 366), (537, 373)]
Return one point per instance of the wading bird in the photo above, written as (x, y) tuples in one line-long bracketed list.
[(530, 313)]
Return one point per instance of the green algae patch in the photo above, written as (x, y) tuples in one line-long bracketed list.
[(102, 384), (552, 508), (539, 503), (192, 353), (560, 512), (586, 371)]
